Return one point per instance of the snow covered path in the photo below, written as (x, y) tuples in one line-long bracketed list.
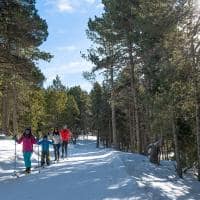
[(98, 174), (88, 175)]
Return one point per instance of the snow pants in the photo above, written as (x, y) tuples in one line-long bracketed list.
[(27, 159), (57, 151), (45, 158), (64, 148)]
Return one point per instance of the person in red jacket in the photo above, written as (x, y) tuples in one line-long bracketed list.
[(65, 136)]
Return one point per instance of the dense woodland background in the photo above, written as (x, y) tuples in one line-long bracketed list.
[(149, 55)]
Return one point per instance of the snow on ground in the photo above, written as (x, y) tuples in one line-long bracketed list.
[(94, 174)]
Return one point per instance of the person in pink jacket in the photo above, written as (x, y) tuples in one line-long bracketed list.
[(27, 140)]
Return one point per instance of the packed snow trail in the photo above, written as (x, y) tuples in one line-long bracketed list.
[(88, 175), (99, 174)]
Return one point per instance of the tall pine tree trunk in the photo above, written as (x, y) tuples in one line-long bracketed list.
[(137, 125), (136, 129), (114, 130), (197, 98), (198, 132), (110, 132), (5, 110), (98, 138), (177, 150), (131, 129), (14, 109), (197, 107)]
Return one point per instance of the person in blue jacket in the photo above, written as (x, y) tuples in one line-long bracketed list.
[(45, 150)]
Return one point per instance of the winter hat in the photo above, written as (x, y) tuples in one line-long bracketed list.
[(56, 131), (45, 137), (27, 131)]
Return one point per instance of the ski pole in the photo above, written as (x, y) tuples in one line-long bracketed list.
[(68, 151), (38, 156), (69, 148), (15, 162)]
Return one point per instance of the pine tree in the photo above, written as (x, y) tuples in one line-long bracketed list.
[(21, 31), (96, 101)]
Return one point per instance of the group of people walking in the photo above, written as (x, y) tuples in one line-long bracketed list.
[(59, 139)]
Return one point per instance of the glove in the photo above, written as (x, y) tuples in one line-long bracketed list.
[(14, 137)]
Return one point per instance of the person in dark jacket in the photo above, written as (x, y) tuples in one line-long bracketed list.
[(45, 150)]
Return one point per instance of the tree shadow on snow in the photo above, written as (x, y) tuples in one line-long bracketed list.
[(90, 176), (159, 182), (101, 174)]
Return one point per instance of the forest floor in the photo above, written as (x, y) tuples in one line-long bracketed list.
[(93, 174)]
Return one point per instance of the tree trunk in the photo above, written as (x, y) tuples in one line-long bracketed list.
[(114, 130), (137, 125), (110, 132), (14, 110), (98, 138), (197, 98), (136, 128), (177, 151), (198, 130), (131, 129), (5, 110), (167, 150)]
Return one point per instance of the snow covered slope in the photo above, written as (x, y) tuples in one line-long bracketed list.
[(94, 174)]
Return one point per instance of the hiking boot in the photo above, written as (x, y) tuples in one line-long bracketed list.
[(28, 170)]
